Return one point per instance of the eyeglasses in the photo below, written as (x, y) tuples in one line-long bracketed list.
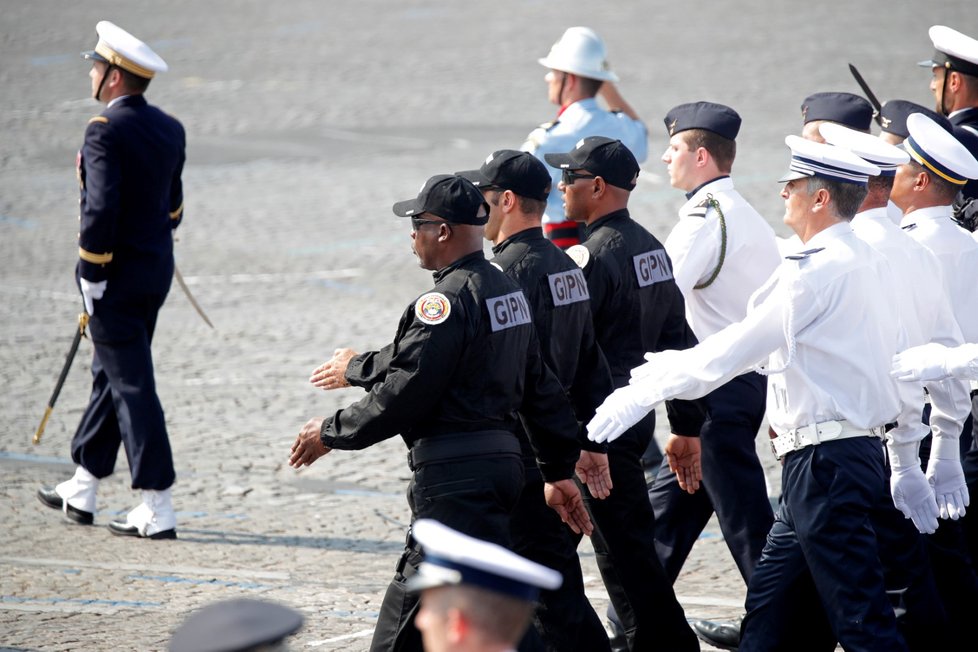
[(568, 178), (417, 223)]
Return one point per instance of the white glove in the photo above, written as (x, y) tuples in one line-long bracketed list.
[(947, 478), (923, 363), (658, 365), (914, 497), (912, 494), (92, 292), (619, 412), (962, 361)]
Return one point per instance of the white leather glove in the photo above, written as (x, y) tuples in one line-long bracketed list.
[(619, 412), (925, 362), (947, 478), (962, 361), (92, 292), (912, 493)]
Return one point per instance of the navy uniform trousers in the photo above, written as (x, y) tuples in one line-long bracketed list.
[(124, 407), (733, 483), (474, 496), (820, 579), (953, 562)]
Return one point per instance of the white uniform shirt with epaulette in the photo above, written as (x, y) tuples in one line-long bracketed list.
[(957, 253), (578, 120), (825, 329), (926, 316), (743, 239)]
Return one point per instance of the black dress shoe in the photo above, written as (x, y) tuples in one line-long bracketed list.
[(52, 499), (123, 529), (724, 635)]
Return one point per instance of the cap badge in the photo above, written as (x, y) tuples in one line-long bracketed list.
[(433, 308), (885, 122), (672, 127)]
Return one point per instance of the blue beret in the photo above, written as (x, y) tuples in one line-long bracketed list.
[(893, 116), (844, 108), (719, 119)]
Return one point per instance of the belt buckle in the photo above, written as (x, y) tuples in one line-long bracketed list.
[(826, 431)]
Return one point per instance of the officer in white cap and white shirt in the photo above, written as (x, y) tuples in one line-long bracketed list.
[(129, 170), (579, 73), (926, 316), (924, 189), (829, 398), (955, 87), (476, 596)]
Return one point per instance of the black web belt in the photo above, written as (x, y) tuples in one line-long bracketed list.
[(463, 445)]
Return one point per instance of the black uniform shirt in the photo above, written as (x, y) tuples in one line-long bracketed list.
[(558, 294), (129, 170), (464, 368), (636, 304)]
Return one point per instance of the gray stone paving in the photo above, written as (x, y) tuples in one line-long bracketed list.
[(305, 121)]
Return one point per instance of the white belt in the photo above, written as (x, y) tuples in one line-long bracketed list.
[(816, 433)]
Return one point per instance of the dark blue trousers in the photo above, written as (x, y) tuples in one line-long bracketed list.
[(733, 483), (124, 408), (822, 552)]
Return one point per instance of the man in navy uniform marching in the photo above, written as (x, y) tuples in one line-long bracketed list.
[(129, 171)]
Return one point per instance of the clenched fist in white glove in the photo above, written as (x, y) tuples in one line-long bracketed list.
[(936, 362), (619, 412), (92, 292)]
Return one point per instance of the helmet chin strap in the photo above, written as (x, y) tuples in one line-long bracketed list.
[(105, 75)]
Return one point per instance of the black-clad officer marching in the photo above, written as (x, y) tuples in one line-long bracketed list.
[(129, 170), (636, 307), (516, 185), (465, 359)]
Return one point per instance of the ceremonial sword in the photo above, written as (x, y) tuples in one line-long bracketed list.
[(186, 291), (79, 333), (877, 107)]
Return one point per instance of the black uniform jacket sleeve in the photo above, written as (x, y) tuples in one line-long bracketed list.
[(420, 365)]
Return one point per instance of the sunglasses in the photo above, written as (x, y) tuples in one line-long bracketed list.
[(568, 177), (417, 223)]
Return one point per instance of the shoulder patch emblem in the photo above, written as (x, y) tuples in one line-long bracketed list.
[(802, 255), (579, 254), (98, 118), (433, 308)]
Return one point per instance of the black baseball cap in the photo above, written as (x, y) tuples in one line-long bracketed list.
[(450, 197), (509, 169), (605, 157), (720, 119), (844, 108)]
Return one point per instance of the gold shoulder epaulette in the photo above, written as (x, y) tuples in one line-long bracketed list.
[(98, 118)]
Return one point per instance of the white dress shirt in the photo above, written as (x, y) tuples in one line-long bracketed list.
[(826, 320), (750, 258), (957, 253), (926, 316), (580, 119)]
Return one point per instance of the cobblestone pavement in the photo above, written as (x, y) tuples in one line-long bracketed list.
[(305, 121)]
